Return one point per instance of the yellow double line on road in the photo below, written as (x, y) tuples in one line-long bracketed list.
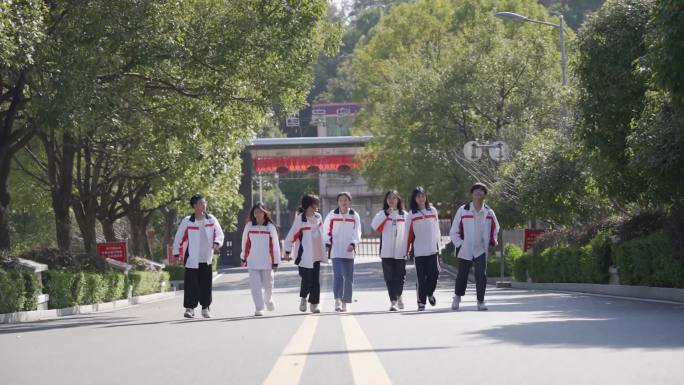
[(365, 363)]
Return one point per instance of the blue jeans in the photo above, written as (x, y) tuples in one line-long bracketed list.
[(343, 278)]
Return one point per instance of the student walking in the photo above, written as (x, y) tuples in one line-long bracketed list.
[(306, 237), (204, 236), (261, 255), (390, 223), (342, 237), (474, 230), (422, 234)]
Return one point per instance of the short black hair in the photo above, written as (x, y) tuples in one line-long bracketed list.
[(195, 198), (309, 200), (344, 194), (414, 204), (479, 186)]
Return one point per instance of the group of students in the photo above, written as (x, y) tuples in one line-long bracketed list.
[(313, 240)]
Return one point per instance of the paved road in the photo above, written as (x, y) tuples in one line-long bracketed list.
[(526, 338)]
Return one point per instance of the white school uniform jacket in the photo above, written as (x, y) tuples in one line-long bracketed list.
[(342, 230), (301, 240), (392, 229), (463, 231), (260, 246), (422, 232), (190, 230)]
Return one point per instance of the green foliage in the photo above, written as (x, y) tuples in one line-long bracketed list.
[(572, 264), (176, 272), (84, 288), (32, 288), (537, 181), (64, 288), (612, 85), (521, 267), (12, 291), (146, 282), (649, 261), (116, 287), (440, 73), (666, 54)]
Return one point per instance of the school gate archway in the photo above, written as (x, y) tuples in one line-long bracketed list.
[(330, 158)]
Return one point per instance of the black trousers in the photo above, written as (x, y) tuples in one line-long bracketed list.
[(197, 286), (427, 270), (480, 265), (394, 271), (311, 284)]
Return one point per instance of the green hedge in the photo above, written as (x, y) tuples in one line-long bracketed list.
[(147, 282), (176, 272), (649, 261), (83, 288), (572, 264), (117, 287), (18, 291), (520, 267)]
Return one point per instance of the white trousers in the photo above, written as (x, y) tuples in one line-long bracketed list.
[(261, 282)]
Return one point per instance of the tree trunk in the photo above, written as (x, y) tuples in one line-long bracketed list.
[(60, 164), (108, 230), (140, 246), (170, 223), (87, 224), (4, 208)]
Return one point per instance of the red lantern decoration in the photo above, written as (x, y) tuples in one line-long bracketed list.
[(282, 170)]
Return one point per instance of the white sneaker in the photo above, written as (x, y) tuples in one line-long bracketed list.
[(481, 306), (400, 303), (314, 308), (338, 304), (302, 304), (206, 313), (189, 313), (344, 307), (456, 303), (258, 313), (421, 306), (270, 306), (393, 307)]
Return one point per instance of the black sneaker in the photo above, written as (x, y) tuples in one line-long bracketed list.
[(432, 300)]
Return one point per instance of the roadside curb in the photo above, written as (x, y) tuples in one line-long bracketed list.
[(643, 293), (52, 314)]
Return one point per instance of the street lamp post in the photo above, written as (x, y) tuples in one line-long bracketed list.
[(516, 17)]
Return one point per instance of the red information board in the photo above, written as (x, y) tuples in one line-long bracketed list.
[(531, 235), (114, 250)]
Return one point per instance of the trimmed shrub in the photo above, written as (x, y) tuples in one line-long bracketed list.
[(61, 287), (649, 261), (12, 291), (116, 286), (147, 282), (33, 288), (176, 272), (520, 267), (94, 288)]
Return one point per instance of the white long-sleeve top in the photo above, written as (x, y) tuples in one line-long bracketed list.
[(422, 232), (392, 228), (342, 230), (200, 245), (301, 239), (464, 233), (260, 246)]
